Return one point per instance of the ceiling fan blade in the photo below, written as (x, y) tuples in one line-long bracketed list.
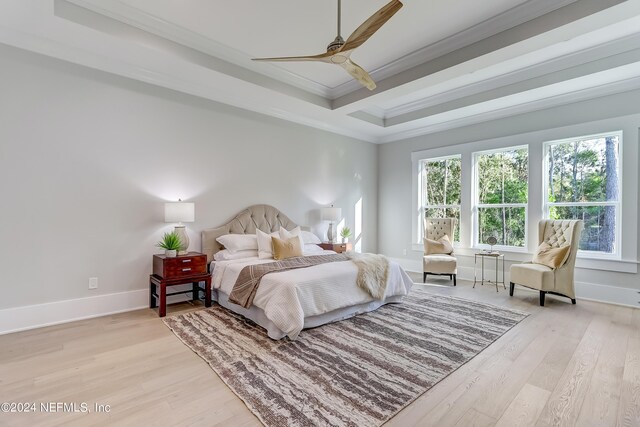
[(371, 25), (359, 74), (323, 57)]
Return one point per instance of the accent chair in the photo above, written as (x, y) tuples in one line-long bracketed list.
[(558, 281), (439, 264)]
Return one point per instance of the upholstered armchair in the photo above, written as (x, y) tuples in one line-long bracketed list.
[(558, 281), (440, 264)]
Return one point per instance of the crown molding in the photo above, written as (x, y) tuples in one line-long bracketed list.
[(64, 39), (146, 22), (605, 51), (521, 108), (490, 27), (179, 82), (162, 28)]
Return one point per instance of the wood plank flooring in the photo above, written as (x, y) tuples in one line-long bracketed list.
[(564, 365)]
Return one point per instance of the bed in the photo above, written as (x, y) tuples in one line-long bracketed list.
[(287, 302)]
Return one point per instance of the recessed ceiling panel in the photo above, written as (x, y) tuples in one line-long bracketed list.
[(261, 28)]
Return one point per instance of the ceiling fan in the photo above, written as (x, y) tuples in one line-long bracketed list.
[(339, 51)]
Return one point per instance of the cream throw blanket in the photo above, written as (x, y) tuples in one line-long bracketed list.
[(373, 273)]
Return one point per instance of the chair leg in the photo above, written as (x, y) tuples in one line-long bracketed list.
[(542, 295), (454, 280), (573, 301), (424, 278), (511, 288)]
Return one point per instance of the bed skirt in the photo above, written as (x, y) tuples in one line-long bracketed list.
[(258, 316)]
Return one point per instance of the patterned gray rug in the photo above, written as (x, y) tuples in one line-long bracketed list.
[(357, 372)]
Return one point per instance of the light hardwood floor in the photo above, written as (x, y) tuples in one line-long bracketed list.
[(563, 365)]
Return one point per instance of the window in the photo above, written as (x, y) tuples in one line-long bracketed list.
[(440, 189), (583, 182), (501, 192)]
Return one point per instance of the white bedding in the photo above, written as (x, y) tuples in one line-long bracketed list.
[(288, 297)]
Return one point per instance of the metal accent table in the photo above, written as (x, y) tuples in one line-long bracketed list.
[(482, 255)]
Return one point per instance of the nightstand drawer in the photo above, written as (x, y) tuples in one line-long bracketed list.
[(181, 266)]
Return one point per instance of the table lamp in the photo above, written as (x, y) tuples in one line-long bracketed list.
[(332, 215), (180, 212)]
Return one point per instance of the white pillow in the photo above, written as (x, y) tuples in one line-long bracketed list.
[(296, 232), (312, 249), (226, 255), (238, 242), (265, 248), (310, 238)]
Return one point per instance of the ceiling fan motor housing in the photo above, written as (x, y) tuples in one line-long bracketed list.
[(336, 44)]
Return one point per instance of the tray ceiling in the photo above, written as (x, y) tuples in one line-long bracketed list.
[(438, 65), (294, 27)]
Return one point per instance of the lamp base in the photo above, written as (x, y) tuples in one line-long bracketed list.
[(181, 231), (330, 235)]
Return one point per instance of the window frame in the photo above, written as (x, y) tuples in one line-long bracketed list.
[(546, 205), (422, 207), (476, 205)]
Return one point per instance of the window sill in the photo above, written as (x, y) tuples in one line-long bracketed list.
[(582, 262)]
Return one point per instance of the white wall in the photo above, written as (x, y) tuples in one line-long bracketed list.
[(395, 196), (87, 160)]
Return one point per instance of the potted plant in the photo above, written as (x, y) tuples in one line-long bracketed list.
[(171, 244), (345, 233)]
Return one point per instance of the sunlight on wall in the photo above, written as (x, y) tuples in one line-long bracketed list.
[(357, 226), (338, 228), (323, 186)]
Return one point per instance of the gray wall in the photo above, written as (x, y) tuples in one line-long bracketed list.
[(87, 160), (395, 203)]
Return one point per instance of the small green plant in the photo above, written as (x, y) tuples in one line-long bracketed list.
[(170, 242), (345, 232)]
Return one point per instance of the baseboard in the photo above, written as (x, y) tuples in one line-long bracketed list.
[(586, 291), (36, 316), (610, 294), (53, 313)]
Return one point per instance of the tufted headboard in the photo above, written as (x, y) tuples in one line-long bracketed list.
[(261, 217)]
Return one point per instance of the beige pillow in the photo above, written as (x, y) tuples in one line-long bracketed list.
[(441, 246), (551, 257), (289, 248)]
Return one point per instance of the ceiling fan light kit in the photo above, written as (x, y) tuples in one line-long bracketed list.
[(339, 52)]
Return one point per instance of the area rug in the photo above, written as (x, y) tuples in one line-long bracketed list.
[(357, 372)]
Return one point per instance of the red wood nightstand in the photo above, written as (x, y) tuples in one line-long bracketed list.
[(180, 270), (337, 247)]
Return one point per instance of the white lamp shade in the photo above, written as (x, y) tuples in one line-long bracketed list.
[(331, 214), (179, 212)]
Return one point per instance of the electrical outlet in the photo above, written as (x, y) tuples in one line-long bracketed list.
[(93, 283), (404, 252)]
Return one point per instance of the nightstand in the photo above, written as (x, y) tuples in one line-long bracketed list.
[(180, 270), (336, 247)]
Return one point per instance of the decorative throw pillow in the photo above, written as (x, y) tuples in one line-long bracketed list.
[(226, 255), (296, 232), (550, 256), (238, 242), (441, 246), (310, 248), (283, 249), (265, 248), (309, 238)]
